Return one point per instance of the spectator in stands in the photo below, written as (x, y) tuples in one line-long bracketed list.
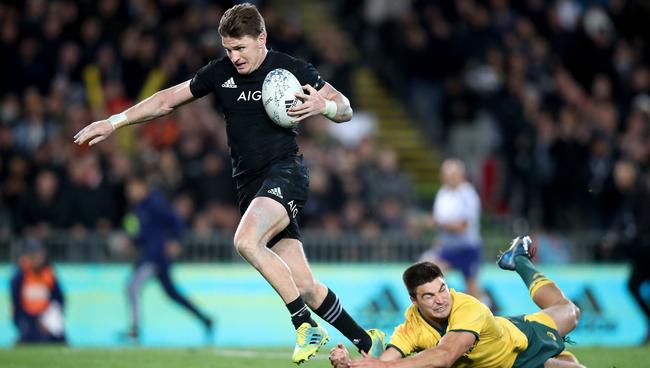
[(386, 181), (43, 209), (35, 128), (91, 199), (37, 298), (156, 231), (456, 216)]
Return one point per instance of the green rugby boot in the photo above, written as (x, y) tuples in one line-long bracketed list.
[(309, 340)]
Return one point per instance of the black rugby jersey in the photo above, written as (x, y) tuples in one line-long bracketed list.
[(254, 139)]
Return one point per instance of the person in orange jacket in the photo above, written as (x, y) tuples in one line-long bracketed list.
[(37, 299)]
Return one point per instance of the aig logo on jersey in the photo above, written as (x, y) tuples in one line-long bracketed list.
[(293, 208), (250, 96)]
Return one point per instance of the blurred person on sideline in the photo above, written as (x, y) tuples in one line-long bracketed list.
[(629, 234), (640, 253), (445, 328), (37, 298), (271, 178), (456, 216), (156, 231)]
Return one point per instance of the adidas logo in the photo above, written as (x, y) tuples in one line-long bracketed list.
[(289, 104), (276, 192), (230, 83)]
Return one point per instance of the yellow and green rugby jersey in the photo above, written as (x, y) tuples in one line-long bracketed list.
[(498, 340)]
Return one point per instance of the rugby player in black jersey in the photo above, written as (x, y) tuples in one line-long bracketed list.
[(271, 179)]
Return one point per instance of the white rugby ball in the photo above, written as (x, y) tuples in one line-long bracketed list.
[(278, 96)]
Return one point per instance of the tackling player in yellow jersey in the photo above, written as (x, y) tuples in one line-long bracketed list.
[(445, 328)]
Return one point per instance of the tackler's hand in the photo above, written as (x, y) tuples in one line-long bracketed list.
[(339, 357)]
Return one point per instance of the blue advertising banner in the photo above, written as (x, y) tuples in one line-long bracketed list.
[(250, 314)]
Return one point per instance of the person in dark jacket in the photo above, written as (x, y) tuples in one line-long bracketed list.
[(37, 299), (156, 231)]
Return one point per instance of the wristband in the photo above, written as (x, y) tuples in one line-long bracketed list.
[(118, 120), (330, 109)]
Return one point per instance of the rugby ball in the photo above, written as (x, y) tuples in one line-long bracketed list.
[(278, 96)]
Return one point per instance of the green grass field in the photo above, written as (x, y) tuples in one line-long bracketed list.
[(55, 357)]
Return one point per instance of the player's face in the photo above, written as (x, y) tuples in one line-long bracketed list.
[(433, 299), (246, 53)]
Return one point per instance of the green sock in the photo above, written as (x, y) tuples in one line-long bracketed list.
[(525, 268)]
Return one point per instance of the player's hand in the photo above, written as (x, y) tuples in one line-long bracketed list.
[(95, 132), (313, 103), (367, 362), (339, 357)]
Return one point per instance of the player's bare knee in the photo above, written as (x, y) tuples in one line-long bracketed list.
[(247, 249), (576, 314), (573, 313)]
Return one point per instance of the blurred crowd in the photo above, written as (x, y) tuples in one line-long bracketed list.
[(548, 102), (68, 63)]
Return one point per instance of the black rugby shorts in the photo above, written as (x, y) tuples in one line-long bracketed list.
[(287, 182)]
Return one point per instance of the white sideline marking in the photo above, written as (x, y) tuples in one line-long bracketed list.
[(236, 353)]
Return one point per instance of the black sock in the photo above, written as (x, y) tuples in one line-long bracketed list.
[(299, 313), (332, 312)]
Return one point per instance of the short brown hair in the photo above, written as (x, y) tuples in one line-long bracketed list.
[(241, 20), (419, 274)]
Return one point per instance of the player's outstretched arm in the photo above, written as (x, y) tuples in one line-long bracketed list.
[(159, 104), (451, 347), (340, 358), (327, 101)]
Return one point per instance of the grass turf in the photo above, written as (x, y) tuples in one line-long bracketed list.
[(54, 357)]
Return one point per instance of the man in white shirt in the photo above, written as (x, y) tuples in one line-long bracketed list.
[(456, 216)]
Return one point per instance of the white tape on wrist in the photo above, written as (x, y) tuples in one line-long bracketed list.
[(330, 109), (118, 120)]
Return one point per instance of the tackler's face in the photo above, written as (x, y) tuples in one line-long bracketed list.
[(245, 53), (433, 299)]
